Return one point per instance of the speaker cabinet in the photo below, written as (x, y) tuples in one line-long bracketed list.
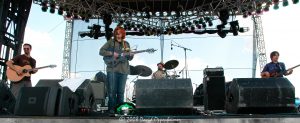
[(164, 96), (198, 96), (7, 99), (67, 102), (98, 89), (260, 96), (85, 94), (49, 83), (214, 92), (37, 101), (213, 72)]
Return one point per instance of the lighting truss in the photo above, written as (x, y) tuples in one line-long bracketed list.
[(92, 9)]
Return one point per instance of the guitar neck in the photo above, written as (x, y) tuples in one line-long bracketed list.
[(39, 68), (140, 51), (294, 67)]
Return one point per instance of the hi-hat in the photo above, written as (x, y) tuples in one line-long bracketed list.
[(143, 70), (171, 64)]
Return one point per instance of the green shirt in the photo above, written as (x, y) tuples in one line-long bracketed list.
[(122, 67)]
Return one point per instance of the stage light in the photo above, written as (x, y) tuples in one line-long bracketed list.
[(210, 23), (147, 12), (204, 25), (107, 19), (193, 28), (138, 25), (60, 11), (158, 32), (220, 31), (141, 30), (68, 15), (44, 6), (178, 11), (196, 22), (186, 29), (87, 20), (224, 16), (198, 26), (295, 1), (258, 11), (266, 9), (144, 27), (276, 6), (173, 29), (285, 3), (234, 27), (135, 28), (52, 8), (245, 15), (183, 25), (189, 24), (201, 20)]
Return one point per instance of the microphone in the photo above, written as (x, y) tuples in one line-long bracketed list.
[(171, 46)]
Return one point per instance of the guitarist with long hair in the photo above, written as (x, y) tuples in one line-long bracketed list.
[(275, 68), (118, 70), (22, 60)]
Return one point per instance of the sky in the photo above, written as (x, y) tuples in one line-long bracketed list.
[(46, 33)]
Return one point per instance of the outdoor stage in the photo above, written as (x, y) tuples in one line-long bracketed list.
[(270, 118)]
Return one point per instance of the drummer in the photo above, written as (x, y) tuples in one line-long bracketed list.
[(160, 73)]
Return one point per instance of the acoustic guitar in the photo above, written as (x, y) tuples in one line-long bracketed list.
[(276, 74), (14, 76)]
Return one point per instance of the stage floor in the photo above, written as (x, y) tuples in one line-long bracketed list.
[(270, 118)]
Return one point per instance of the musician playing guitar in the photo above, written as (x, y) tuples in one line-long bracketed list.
[(22, 60), (118, 70), (275, 68)]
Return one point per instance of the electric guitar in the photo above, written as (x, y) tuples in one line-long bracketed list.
[(14, 76), (110, 61), (276, 74)]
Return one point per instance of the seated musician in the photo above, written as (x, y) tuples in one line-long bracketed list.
[(160, 73), (275, 68)]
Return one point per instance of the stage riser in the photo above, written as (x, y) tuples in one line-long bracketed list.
[(150, 120)]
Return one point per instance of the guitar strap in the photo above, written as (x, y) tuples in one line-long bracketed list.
[(113, 54)]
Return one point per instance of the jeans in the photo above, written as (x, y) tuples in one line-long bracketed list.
[(116, 87)]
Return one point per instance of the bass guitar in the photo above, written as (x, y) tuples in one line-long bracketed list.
[(110, 61), (14, 76)]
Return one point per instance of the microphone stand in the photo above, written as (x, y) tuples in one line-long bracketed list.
[(185, 49)]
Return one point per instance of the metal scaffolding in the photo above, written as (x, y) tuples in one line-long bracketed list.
[(14, 15), (66, 66), (259, 49)]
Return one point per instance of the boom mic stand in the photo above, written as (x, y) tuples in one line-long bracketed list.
[(185, 49)]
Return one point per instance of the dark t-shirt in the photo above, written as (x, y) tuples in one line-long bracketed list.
[(22, 60), (273, 68)]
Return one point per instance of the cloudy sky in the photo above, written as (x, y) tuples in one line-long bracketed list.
[(46, 32)]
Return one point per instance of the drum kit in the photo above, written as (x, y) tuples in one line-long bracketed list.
[(145, 71)]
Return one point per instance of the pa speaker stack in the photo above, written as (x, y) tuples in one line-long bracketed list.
[(260, 96), (213, 89), (48, 98), (7, 100)]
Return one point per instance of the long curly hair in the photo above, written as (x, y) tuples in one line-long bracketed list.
[(122, 31)]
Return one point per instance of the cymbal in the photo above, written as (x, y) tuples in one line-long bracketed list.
[(171, 64), (133, 70), (143, 70)]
